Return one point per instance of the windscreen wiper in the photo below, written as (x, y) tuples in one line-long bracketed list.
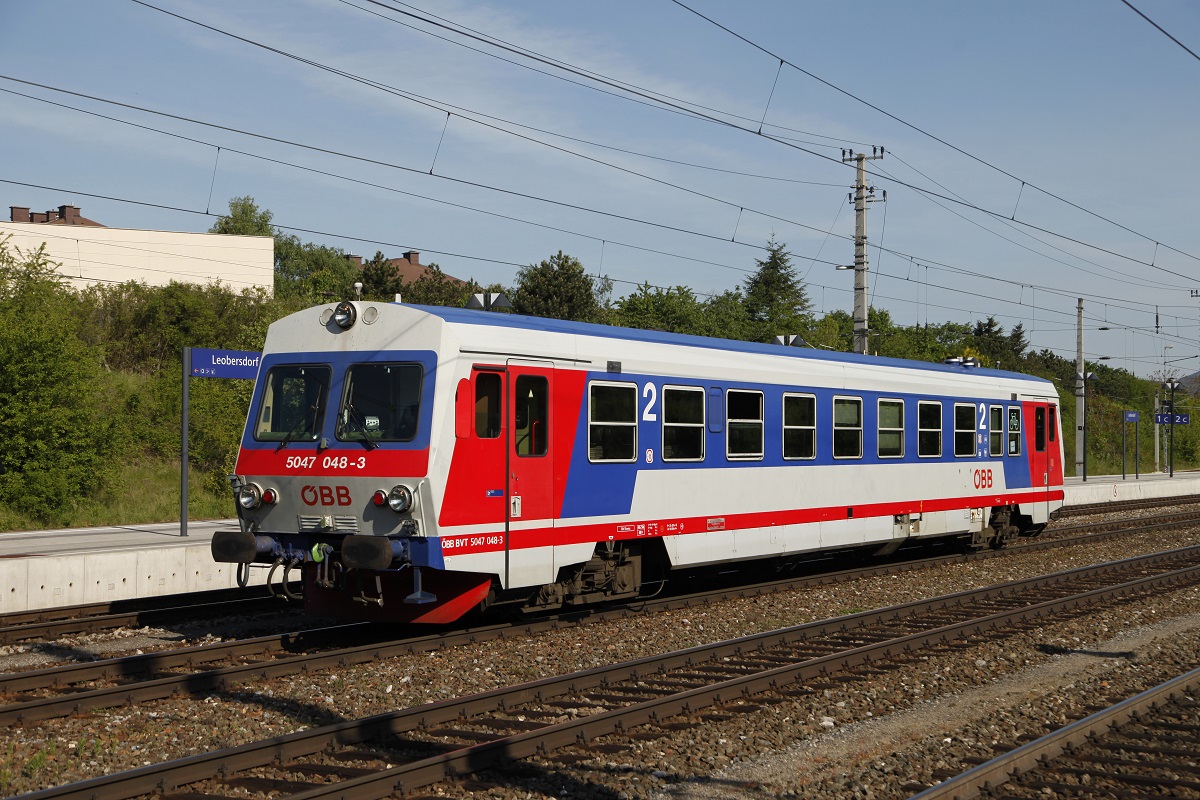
[(301, 425), (367, 441)]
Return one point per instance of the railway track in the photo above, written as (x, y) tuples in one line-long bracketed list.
[(91, 617), (1085, 509), (77, 687), (561, 719), (1144, 746)]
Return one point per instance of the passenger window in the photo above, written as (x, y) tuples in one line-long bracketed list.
[(964, 430), (683, 424), (744, 423), (1014, 430), (531, 405), (799, 426), (891, 429), (1039, 429), (929, 429), (847, 427), (487, 405), (996, 431), (612, 422), (1053, 423)]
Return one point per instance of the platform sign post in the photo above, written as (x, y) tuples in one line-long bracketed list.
[(203, 362), (1130, 416)]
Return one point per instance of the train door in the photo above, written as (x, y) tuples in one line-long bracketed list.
[(1043, 455), (530, 482)]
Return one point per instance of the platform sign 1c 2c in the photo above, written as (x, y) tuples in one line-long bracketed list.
[(1173, 419), (207, 363)]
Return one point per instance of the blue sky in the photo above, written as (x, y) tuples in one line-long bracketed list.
[(1081, 99)]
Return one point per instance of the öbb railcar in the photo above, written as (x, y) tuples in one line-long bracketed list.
[(412, 464)]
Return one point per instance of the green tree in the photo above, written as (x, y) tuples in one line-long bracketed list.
[(559, 288), (313, 272), (245, 218), (380, 279), (436, 288), (725, 317), (56, 446), (776, 301), (652, 308)]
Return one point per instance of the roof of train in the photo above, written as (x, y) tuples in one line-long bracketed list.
[(463, 316)]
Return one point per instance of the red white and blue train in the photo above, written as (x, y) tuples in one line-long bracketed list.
[(413, 464)]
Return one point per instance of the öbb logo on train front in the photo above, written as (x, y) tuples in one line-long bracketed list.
[(325, 495)]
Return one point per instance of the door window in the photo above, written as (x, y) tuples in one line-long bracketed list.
[(531, 406)]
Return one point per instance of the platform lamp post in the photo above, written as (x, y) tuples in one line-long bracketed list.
[(1087, 376), (1171, 386)]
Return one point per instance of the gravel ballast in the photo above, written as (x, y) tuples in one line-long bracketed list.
[(872, 739)]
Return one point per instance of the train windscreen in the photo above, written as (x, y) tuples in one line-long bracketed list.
[(293, 403), (380, 403)]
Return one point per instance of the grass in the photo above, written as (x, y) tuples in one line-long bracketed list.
[(149, 492)]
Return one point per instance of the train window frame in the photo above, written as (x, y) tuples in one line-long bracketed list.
[(923, 430), (593, 424), (319, 409), (839, 428), (352, 425), (1014, 434), (960, 433), (1039, 429), (1052, 422), (880, 430), (668, 425), (996, 431), (812, 399), (733, 424)]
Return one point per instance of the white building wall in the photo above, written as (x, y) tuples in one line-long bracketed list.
[(90, 255)]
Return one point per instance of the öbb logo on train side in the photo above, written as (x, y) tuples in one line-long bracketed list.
[(325, 495), (982, 479)]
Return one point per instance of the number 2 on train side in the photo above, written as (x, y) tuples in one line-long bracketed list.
[(650, 391)]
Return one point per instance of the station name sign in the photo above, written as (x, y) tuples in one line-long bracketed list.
[(208, 363)]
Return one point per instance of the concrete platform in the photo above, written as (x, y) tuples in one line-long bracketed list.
[(45, 569), (1111, 488)]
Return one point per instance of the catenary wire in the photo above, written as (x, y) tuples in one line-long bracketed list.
[(327, 151), (935, 138), (440, 106)]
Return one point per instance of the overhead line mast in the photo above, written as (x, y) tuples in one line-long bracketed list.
[(863, 194)]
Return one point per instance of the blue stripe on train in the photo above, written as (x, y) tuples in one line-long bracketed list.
[(599, 489)]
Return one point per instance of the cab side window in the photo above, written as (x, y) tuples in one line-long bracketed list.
[(487, 405)]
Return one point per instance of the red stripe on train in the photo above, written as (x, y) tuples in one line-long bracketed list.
[(677, 526)]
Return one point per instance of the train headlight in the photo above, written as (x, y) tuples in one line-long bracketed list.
[(400, 499), (250, 496), (344, 314)]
